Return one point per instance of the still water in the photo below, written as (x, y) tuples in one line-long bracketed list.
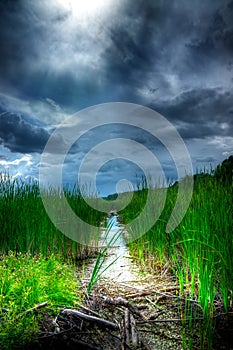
[(122, 270)]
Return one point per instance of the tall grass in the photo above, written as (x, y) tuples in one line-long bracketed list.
[(26, 227), (199, 250), (32, 258)]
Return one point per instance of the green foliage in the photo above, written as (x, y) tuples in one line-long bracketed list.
[(224, 171), (25, 282), (26, 227), (200, 249)]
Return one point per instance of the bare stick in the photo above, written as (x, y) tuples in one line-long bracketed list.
[(146, 345), (89, 310), (133, 331), (39, 306), (127, 337), (123, 302), (97, 320)]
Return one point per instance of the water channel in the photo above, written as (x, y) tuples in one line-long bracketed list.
[(121, 268)]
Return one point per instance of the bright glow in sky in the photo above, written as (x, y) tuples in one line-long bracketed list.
[(82, 8), (67, 55)]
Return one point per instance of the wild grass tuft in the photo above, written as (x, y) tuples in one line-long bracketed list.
[(26, 281), (199, 250), (26, 227)]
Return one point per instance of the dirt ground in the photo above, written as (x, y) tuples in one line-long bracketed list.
[(131, 309)]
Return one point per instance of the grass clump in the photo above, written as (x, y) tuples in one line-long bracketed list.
[(200, 250), (26, 281), (26, 227)]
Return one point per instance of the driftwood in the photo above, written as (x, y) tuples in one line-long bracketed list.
[(123, 302), (133, 331), (127, 327), (129, 334), (100, 321)]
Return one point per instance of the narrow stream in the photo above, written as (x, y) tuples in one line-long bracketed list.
[(128, 277), (122, 269)]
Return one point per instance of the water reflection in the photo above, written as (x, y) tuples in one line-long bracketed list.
[(113, 223), (121, 269), (115, 233)]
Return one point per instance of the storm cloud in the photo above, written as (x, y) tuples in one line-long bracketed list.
[(141, 51), (172, 56), (19, 136), (199, 113)]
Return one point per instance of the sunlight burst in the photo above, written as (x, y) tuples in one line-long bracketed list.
[(84, 8)]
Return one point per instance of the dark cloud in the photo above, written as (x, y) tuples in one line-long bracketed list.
[(199, 113), (31, 42), (173, 56), (210, 160), (3, 157), (218, 36), (141, 44), (160, 49), (19, 136)]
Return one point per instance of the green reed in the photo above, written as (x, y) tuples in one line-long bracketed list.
[(199, 250), (26, 227), (36, 259)]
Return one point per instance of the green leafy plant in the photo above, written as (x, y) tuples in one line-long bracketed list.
[(25, 282)]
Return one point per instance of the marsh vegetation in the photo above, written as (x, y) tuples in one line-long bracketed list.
[(38, 263)]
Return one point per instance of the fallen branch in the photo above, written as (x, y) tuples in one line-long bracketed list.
[(123, 302), (100, 321), (182, 320), (39, 306), (127, 328), (133, 331)]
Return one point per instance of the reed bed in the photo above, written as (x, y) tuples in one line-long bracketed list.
[(25, 226), (37, 261), (199, 251)]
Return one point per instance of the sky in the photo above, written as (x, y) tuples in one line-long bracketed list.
[(59, 57)]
